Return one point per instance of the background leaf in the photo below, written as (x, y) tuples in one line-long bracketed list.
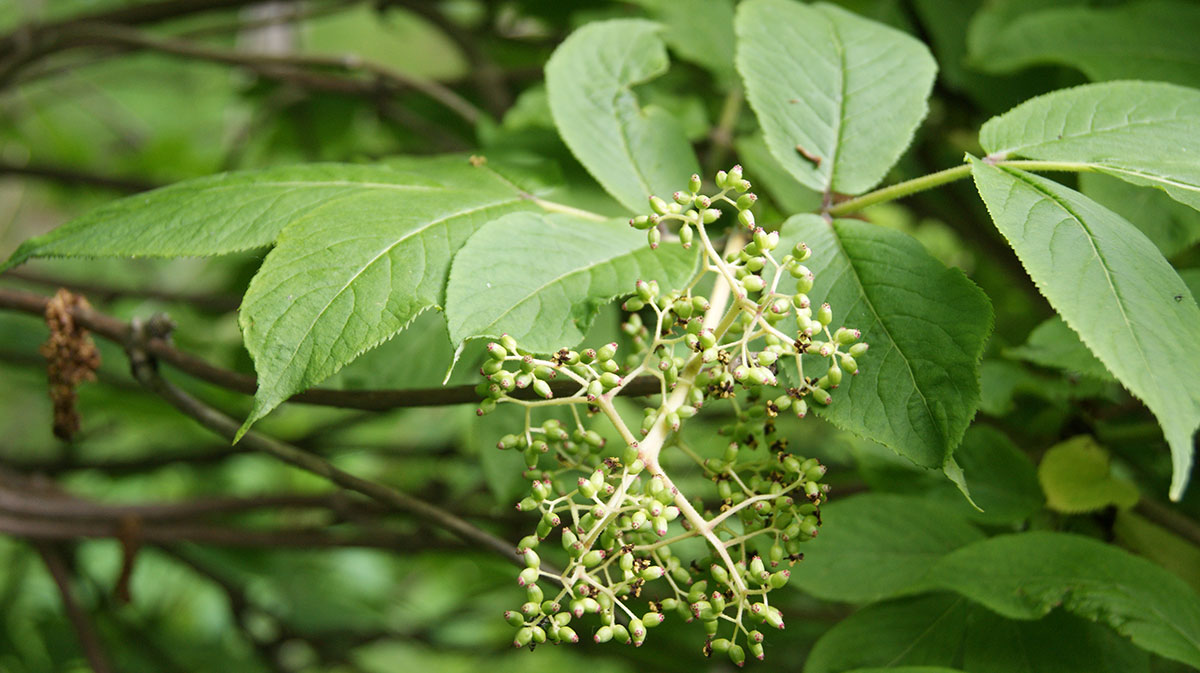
[(1104, 42), (1141, 132), (946, 630), (921, 631), (1001, 479), (353, 272), (1076, 478), (873, 546), (1113, 287), (1171, 225), (632, 152), (849, 90), (918, 386), (547, 276), (699, 31), (1026, 576), (1053, 344)]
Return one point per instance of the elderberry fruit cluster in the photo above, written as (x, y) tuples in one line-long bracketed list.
[(611, 518)]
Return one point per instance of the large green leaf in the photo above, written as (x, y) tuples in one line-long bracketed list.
[(874, 546), (1113, 287), (849, 91), (540, 278), (1027, 575), (632, 152), (228, 212), (918, 385), (946, 630), (351, 273), (1154, 40), (1141, 132)]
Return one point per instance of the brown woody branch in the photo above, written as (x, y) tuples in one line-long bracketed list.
[(221, 303), (89, 642), (145, 371), (45, 529), (311, 71), (118, 331), (73, 176)]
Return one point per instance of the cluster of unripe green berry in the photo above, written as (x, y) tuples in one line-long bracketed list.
[(616, 514), (691, 209)]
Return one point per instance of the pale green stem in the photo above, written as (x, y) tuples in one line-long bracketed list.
[(926, 182)]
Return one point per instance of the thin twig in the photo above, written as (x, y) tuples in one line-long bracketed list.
[(117, 331), (275, 66), (74, 176), (209, 301), (145, 372), (1169, 518), (89, 642), (35, 528)]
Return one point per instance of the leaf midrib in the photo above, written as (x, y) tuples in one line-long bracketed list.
[(1067, 138), (1024, 178)]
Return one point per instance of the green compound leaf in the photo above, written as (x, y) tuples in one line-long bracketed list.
[(918, 385), (351, 273), (1141, 132), (632, 152), (1076, 478), (1153, 40), (927, 632), (1113, 287), (1026, 576), (848, 90), (223, 213), (873, 546), (548, 274)]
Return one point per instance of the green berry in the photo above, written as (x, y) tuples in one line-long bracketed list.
[(737, 655), (524, 636), (686, 236), (821, 396), (825, 314)]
